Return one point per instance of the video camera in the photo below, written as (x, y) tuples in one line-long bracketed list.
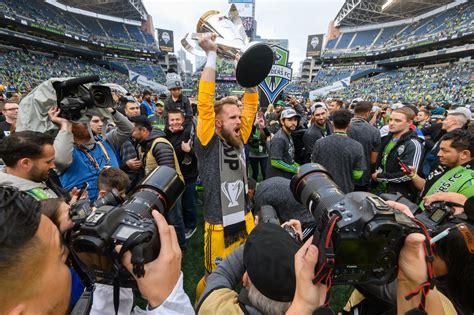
[(73, 97), (358, 234), (97, 232)]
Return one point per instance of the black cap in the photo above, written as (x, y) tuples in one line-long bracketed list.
[(269, 258)]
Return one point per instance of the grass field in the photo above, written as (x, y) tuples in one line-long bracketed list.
[(193, 269)]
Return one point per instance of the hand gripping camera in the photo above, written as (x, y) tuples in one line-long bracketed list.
[(358, 235), (130, 224)]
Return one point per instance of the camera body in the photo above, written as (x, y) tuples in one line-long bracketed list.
[(130, 224), (73, 98), (367, 236)]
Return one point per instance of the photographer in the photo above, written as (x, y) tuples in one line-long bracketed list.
[(79, 157), (452, 268), (265, 267), (32, 252), (411, 273)]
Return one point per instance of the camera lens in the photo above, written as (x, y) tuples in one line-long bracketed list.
[(314, 188), (159, 190), (100, 97)]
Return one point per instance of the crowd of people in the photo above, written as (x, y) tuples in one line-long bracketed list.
[(441, 83), (247, 160)]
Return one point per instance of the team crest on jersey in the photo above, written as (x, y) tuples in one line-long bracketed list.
[(401, 149)]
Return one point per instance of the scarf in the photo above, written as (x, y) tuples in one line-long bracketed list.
[(233, 191)]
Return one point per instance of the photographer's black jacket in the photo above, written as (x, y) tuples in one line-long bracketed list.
[(410, 150)]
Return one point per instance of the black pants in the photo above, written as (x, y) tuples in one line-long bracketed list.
[(255, 163)]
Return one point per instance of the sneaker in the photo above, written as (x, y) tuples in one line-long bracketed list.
[(189, 232)]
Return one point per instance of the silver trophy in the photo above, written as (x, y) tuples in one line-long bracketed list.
[(253, 60)]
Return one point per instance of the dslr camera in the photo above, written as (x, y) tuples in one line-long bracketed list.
[(365, 234), (97, 232), (74, 97)]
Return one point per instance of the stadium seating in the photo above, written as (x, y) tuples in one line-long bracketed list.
[(441, 24), (98, 29)]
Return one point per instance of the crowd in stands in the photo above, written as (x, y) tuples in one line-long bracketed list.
[(90, 27), (271, 233), (440, 83)]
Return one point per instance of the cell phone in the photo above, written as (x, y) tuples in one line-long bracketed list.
[(404, 167), (81, 191)]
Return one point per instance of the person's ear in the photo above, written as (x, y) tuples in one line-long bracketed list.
[(465, 155), (218, 123), (245, 280), (25, 163), (102, 193)]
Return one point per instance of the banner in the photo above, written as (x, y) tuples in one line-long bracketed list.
[(143, 81), (336, 86), (314, 46), (280, 75), (165, 40)]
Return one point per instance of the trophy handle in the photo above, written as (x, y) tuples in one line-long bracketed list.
[(189, 43)]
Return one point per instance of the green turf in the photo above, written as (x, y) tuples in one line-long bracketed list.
[(193, 268)]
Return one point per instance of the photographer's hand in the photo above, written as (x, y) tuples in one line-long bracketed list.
[(412, 272), (64, 124), (162, 274), (447, 196), (308, 296)]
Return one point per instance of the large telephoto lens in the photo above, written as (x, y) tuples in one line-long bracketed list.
[(313, 187), (159, 190)]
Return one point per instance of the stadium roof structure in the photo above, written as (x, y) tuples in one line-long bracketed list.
[(127, 9), (362, 12)]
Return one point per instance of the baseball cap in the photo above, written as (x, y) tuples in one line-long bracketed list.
[(461, 110), (318, 105), (160, 103), (269, 255), (280, 103), (289, 113)]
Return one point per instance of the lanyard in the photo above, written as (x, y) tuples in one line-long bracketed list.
[(92, 159)]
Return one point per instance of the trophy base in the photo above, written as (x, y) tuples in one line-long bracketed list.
[(254, 65)]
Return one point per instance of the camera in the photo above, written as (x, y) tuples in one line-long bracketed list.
[(365, 234), (73, 97), (268, 214), (96, 234), (434, 215)]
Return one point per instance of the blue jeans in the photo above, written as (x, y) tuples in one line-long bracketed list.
[(189, 205), (175, 218)]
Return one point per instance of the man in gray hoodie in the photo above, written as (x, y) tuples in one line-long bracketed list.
[(28, 158)]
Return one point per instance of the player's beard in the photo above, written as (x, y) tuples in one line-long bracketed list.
[(232, 139)]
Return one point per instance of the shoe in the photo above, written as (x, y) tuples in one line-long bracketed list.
[(187, 159), (189, 232)]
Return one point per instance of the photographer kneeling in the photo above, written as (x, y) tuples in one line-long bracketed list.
[(36, 280), (265, 266)]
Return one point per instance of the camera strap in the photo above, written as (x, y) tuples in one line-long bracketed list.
[(326, 259), (134, 243), (92, 159), (425, 287)]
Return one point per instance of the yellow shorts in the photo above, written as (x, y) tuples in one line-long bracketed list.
[(214, 248)]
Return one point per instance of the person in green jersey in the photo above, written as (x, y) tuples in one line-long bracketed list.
[(456, 170)]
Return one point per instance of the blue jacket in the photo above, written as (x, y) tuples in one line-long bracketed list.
[(84, 169)]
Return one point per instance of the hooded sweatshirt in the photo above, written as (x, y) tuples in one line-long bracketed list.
[(38, 190)]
